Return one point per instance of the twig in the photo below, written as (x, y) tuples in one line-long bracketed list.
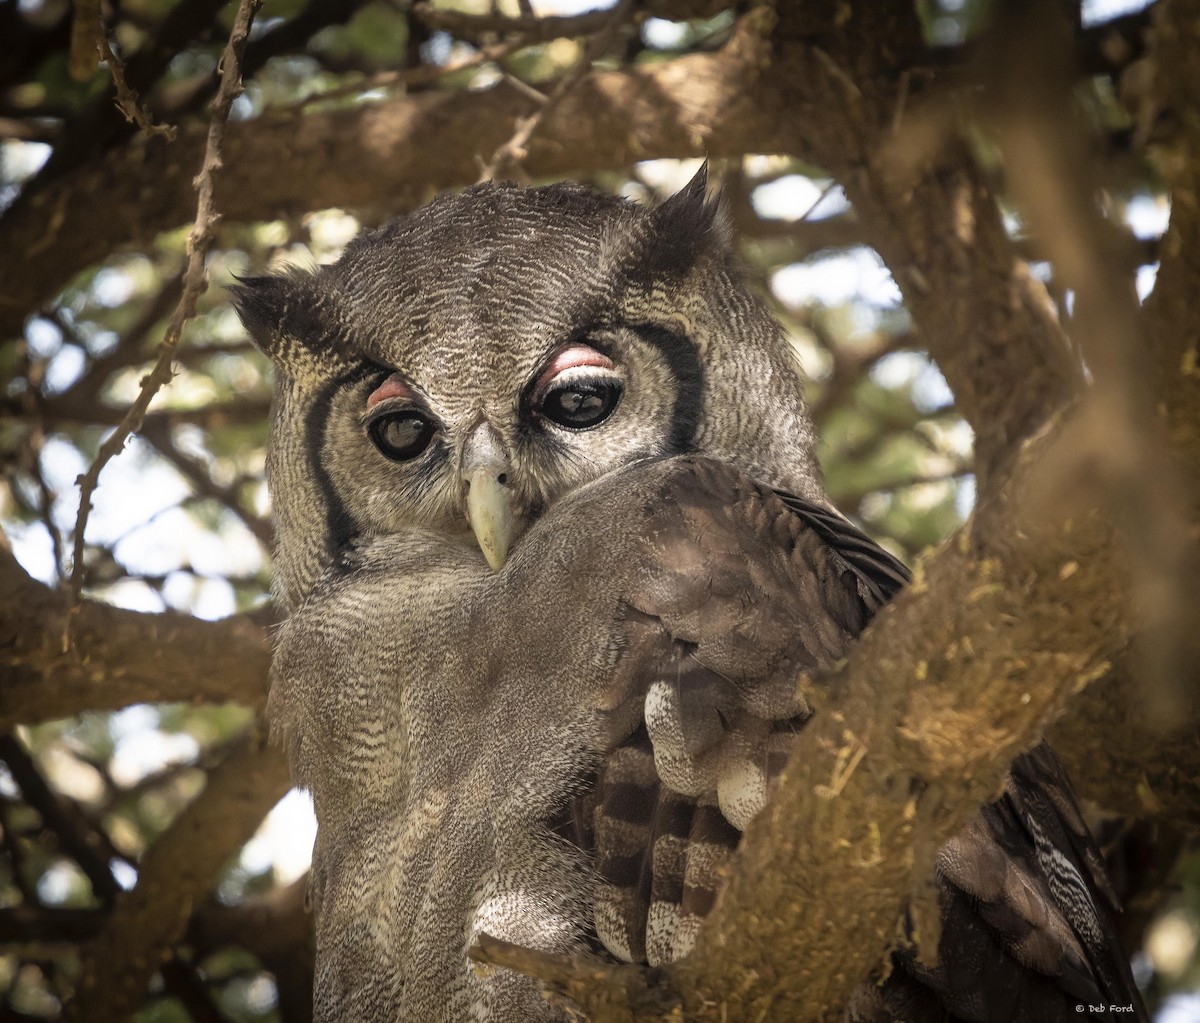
[(75, 836), (421, 75), (127, 99), (525, 88), (89, 41), (46, 497), (194, 284), (128, 349), (195, 472), (812, 208), (186, 502), (509, 156), (1050, 171), (851, 499), (206, 761), (853, 92), (529, 29), (851, 366)]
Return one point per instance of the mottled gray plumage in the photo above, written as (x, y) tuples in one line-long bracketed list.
[(551, 722)]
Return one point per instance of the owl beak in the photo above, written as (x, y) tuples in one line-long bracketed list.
[(485, 470), (489, 510)]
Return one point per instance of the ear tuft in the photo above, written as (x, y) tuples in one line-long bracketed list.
[(256, 300), (688, 225), (290, 318)]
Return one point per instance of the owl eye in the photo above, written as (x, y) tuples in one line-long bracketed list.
[(401, 435), (581, 404)]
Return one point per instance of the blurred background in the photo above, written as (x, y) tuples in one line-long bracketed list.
[(181, 519)]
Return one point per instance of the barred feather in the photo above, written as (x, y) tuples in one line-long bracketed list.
[(1027, 928)]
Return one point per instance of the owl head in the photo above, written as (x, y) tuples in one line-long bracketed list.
[(461, 368)]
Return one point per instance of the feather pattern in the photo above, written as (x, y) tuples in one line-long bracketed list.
[(1027, 927), (564, 751)]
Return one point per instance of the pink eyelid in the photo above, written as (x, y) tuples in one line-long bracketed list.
[(570, 358), (393, 387)]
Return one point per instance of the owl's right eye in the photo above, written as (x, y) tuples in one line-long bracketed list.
[(401, 436)]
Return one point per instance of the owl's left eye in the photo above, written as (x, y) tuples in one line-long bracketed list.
[(578, 388), (401, 436), (581, 404)]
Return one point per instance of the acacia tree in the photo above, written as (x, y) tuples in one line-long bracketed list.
[(995, 161)]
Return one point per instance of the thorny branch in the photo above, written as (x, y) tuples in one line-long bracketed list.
[(194, 284), (127, 99)]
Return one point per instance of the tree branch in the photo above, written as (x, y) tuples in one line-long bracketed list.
[(122, 657), (275, 927), (715, 103), (964, 671), (175, 875), (47, 925), (1171, 317), (75, 837), (245, 410), (1000, 630), (194, 471), (508, 158), (939, 228), (479, 27), (1029, 106), (1146, 771), (926, 208)]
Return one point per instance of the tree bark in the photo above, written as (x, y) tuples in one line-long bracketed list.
[(59, 663)]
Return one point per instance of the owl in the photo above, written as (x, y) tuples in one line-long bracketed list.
[(555, 556)]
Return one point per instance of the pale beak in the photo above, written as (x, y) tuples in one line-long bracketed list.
[(485, 469), (489, 510)]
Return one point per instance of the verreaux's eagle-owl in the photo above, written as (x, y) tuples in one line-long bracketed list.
[(554, 553)]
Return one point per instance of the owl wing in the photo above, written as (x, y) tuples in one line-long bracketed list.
[(1027, 927), (756, 589)]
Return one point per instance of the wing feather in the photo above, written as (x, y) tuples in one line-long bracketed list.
[(761, 589)]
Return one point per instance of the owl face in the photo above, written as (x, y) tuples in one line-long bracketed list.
[(460, 369), (480, 444)]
